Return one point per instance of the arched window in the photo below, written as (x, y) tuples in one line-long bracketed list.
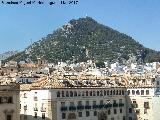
[(113, 92), (75, 93), (97, 93), (117, 92), (94, 93), (86, 93), (107, 92), (67, 94), (104, 93), (137, 92), (122, 92), (71, 94), (90, 93), (101, 93), (82, 93), (63, 94), (110, 92), (58, 94)]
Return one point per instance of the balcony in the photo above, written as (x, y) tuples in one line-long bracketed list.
[(108, 106), (64, 108), (43, 109), (101, 106), (80, 107), (115, 104), (95, 106), (35, 109), (25, 107), (134, 105), (87, 107), (72, 108), (121, 104)]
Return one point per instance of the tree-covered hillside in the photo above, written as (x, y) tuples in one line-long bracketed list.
[(83, 39)]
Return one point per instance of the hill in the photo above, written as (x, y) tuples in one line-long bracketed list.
[(83, 39), (7, 54)]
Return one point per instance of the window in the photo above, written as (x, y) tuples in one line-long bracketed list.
[(10, 100), (142, 92), (25, 117), (79, 114), (101, 102), (71, 103), (9, 117), (134, 102), (58, 94), (137, 111), (101, 93), (97, 93), (122, 92), (107, 92), (130, 110), (43, 115), (0, 100), (130, 118), (111, 92), (79, 93), (35, 115), (117, 92), (120, 110), (146, 105), (71, 94), (114, 101), (86, 93), (87, 113), (90, 93), (94, 102), (157, 82), (62, 104), (35, 108), (124, 117), (94, 93), (63, 115), (104, 93), (79, 103), (137, 92), (82, 93), (25, 95), (63, 94), (120, 100), (112, 118), (67, 94), (145, 111), (109, 112), (115, 111), (87, 103), (95, 113), (75, 93), (128, 92), (147, 92), (133, 92)]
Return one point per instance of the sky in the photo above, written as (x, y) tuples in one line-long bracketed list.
[(21, 25)]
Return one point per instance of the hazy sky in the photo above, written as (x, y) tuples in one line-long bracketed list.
[(21, 24)]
